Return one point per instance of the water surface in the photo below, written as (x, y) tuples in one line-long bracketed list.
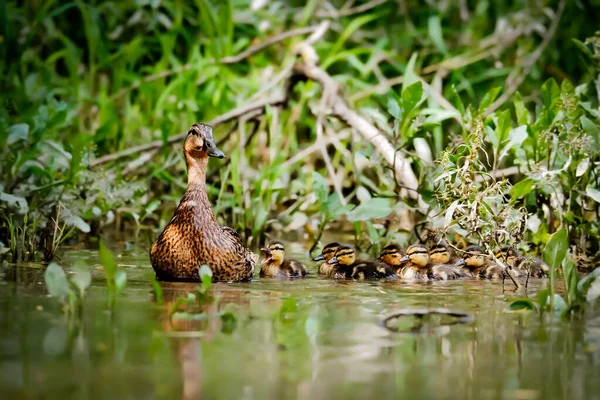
[(294, 339)]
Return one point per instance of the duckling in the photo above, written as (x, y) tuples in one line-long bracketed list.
[(521, 264), (475, 261), (327, 254), (441, 266), (392, 255), (276, 265), (345, 260), (193, 237), (417, 259)]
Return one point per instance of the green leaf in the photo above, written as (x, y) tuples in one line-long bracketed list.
[(522, 188), (229, 322), (158, 291), (593, 193), (489, 98), (455, 100), (521, 304), (542, 298), (81, 278), (394, 108), (57, 282), (319, 187), (120, 281), (17, 132), (559, 304), (412, 96), (410, 76), (556, 249), (522, 113), (435, 33), (550, 93), (584, 284), (376, 207), (78, 222), (591, 129), (206, 277), (108, 263)]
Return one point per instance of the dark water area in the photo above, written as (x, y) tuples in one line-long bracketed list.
[(313, 338)]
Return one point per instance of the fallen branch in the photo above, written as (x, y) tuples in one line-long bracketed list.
[(339, 109), (516, 78), (236, 113)]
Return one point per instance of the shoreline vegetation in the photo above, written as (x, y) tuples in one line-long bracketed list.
[(468, 124)]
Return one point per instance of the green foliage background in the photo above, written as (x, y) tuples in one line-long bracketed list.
[(80, 80)]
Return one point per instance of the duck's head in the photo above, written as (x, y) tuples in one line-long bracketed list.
[(200, 143), (392, 254), (473, 257), (417, 254), (274, 252), (328, 252), (509, 256), (345, 255), (440, 254)]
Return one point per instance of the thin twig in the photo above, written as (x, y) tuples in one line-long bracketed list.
[(235, 113), (301, 155), (335, 14), (518, 75)]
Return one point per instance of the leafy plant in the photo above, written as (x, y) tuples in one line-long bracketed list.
[(69, 289), (115, 279)]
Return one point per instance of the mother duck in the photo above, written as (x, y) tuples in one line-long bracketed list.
[(193, 237)]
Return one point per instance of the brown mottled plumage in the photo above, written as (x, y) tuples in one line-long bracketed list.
[(275, 264), (417, 259), (441, 266), (327, 254), (475, 261), (193, 237), (347, 264)]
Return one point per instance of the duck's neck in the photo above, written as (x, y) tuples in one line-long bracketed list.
[(196, 195), (196, 171)]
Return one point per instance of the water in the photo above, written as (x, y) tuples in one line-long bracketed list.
[(304, 339)]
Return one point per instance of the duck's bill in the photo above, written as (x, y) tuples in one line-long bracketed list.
[(212, 150), (460, 262), (333, 261), (267, 255), (405, 258), (319, 258)]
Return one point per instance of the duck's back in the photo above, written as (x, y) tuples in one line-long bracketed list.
[(413, 272), (446, 272), (363, 270), (193, 238)]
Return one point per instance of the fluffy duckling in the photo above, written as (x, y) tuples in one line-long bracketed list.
[(345, 260), (475, 261), (441, 266), (193, 237), (327, 254), (521, 265), (276, 265), (392, 255), (416, 267)]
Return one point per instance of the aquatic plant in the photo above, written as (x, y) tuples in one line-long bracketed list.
[(69, 289), (115, 279)]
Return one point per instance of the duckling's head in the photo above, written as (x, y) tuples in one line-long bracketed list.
[(274, 252), (509, 256), (440, 254), (328, 252), (200, 143), (345, 255), (392, 254), (417, 254), (473, 257)]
